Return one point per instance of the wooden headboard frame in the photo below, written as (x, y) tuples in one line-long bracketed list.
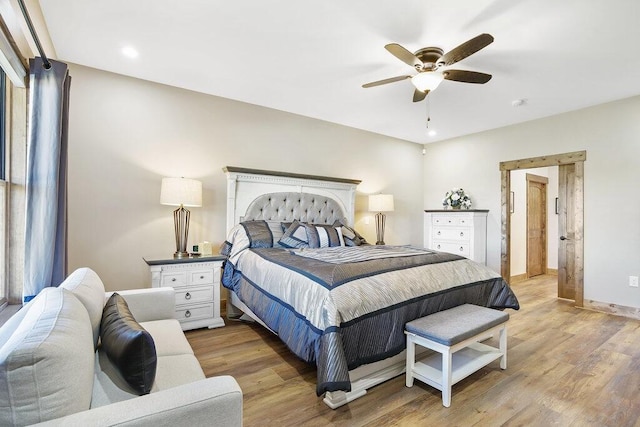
[(245, 185)]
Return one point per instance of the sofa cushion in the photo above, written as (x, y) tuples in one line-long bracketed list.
[(168, 337), (89, 289), (46, 367), (128, 345)]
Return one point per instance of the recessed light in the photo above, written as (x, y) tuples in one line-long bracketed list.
[(518, 102), (432, 133), (129, 52)]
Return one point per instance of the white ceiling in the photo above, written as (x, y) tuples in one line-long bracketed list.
[(311, 58)]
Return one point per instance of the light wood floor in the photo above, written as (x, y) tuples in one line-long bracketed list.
[(566, 366)]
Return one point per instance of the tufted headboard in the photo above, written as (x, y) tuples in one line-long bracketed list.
[(306, 207), (281, 196)]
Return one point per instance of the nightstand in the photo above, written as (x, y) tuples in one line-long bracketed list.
[(197, 285)]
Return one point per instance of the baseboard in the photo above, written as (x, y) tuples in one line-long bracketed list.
[(552, 271), (518, 278), (618, 310)]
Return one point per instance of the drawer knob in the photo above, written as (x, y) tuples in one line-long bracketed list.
[(439, 233), (201, 277), (461, 249), (449, 221), (173, 279), (438, 246), (461, 234), (187, 296), (187, 313)]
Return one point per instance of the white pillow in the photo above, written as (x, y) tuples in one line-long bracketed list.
[(46, 366)]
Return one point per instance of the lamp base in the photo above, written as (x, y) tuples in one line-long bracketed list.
[(181, 254), (380, 220)]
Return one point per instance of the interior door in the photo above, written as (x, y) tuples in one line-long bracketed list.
[(566, 232), (536, 225)]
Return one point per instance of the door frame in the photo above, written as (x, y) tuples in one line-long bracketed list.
[(578, 158)]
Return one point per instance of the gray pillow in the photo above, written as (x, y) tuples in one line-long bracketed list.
[(351, 236), (295, 236)]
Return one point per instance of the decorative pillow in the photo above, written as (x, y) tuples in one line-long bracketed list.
[(351, 236), (47, 364), (324, 236), (250, 234), (259, 234), (128, 345), (295, 236)]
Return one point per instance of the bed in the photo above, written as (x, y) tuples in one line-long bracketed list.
[(296, 265)]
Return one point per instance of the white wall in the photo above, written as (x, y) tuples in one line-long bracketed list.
[(610, 133), (126, 134), (519, 218)]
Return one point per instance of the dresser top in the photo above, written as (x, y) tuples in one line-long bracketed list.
[(162, 261), (456, 210)]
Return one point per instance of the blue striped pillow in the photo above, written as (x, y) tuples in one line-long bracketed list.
[(324, 236)]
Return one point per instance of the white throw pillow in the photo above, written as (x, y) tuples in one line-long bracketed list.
[(85, 285), (46, 367)]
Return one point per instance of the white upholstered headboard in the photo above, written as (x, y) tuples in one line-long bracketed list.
[(270, 195)]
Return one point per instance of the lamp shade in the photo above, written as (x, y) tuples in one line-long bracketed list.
[(381, 203), (181, 191), (427, 80)]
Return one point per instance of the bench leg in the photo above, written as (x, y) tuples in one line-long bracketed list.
[(446, 377), (503, 347), (411, 360)]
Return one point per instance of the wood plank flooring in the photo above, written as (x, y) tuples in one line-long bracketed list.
[(566, 367)]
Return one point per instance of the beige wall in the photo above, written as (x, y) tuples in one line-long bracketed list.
[(610, 133), (126, 134)]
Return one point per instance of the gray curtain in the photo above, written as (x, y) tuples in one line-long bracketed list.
[(45, 260)]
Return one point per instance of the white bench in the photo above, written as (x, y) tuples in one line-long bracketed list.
[(455, 334)]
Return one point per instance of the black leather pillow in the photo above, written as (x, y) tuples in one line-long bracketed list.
[(128, 345)]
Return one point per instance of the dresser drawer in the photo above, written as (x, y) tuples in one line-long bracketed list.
[(443, 233), (461, 249), (174, 279), (451, 220), (194, 295), (201, 277), (203, 311)]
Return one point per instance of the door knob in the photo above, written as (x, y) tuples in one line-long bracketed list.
[(564, 238)]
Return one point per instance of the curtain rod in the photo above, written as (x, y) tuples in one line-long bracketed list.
[(45, 61)]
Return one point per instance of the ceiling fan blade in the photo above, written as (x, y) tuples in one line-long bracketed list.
[(385, 81), (419, 95), (403, 54), (466, 76), (466, 49)]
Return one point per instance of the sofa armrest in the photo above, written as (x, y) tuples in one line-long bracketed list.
[(212, 401), (149, 304)]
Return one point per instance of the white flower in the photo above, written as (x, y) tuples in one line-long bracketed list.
[(455, 196)]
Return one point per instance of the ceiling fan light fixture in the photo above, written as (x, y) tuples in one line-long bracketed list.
[(427, 80)]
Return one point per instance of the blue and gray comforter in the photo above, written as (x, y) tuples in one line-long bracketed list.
[(344, 307)]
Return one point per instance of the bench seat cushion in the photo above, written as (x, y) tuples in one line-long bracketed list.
[(457, 324)]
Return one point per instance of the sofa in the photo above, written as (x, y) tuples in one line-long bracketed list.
[(57, 369)]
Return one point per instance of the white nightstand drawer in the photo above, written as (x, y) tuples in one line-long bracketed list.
[(201, 277), (461, 249), (174, 279), (441, 233), (204, 311), (194, 295)]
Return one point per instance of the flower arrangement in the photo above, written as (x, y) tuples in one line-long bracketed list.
[(456, 199)]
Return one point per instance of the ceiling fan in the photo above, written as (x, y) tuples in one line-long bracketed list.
[(429, 60)]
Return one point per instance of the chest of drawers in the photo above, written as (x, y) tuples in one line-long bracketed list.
[(461, 232), (197, 285)]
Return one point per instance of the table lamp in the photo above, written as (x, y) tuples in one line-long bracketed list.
[(181, 192), (380, 203)]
